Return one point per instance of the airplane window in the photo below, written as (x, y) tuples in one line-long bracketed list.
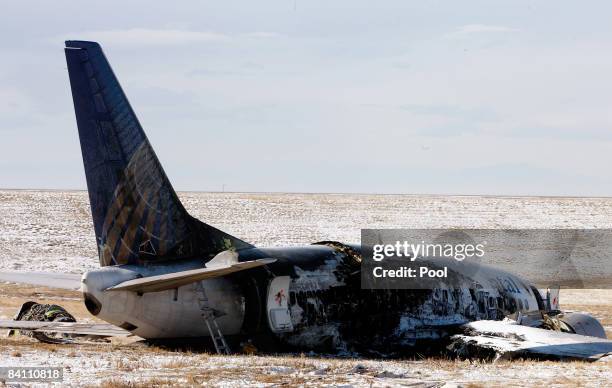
[(500, 302)]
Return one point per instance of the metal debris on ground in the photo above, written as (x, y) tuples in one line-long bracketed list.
[(32, 311)]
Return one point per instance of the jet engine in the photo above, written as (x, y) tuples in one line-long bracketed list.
[(583, 324)]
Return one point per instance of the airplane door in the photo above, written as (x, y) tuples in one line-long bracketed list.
[(279, 317), (552, 298)]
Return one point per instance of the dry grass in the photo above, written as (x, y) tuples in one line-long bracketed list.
[(119, 383), (178, 363), (130, 363), (125, 364)]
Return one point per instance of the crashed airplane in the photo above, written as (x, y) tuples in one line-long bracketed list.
[(166, 275)]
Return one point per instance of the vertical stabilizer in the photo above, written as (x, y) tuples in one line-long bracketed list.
[(137, 215)]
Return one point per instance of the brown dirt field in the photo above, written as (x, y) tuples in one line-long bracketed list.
[(133, 364)]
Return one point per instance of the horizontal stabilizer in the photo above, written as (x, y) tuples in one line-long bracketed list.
[(95, 329), (177, 279)]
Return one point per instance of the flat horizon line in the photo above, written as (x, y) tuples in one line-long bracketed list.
[(343, 193)]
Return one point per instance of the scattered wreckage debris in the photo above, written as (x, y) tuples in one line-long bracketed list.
[(507, 339), (32, 311), (34, 319)]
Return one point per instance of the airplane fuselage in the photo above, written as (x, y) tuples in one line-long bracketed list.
[(309, 298)]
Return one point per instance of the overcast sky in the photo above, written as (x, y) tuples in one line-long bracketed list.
[(466, 97)]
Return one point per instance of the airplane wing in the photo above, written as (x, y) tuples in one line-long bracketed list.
[(177, 279), (508, 339), (96, 329), (64, 281)]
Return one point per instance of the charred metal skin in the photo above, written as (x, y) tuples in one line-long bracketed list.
[(326, 308), (165, 274), (318, 305)]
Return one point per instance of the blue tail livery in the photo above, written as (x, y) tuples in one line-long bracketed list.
[(136, 213)]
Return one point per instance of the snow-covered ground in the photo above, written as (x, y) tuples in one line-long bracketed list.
[(95, 364), (117, 364), (52, 230)]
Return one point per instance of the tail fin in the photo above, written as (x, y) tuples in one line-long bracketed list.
[(137, 215)]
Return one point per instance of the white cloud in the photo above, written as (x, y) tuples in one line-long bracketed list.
[(148, 37), (469, 29), (261, 34), (160, 37)]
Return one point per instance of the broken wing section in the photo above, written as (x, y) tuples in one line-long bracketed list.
[(92, 329), (507, 340)]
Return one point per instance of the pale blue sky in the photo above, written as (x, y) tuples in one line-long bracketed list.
[(469, 97)]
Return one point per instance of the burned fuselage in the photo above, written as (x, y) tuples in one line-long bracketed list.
[(311, 298), (308, 298)]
